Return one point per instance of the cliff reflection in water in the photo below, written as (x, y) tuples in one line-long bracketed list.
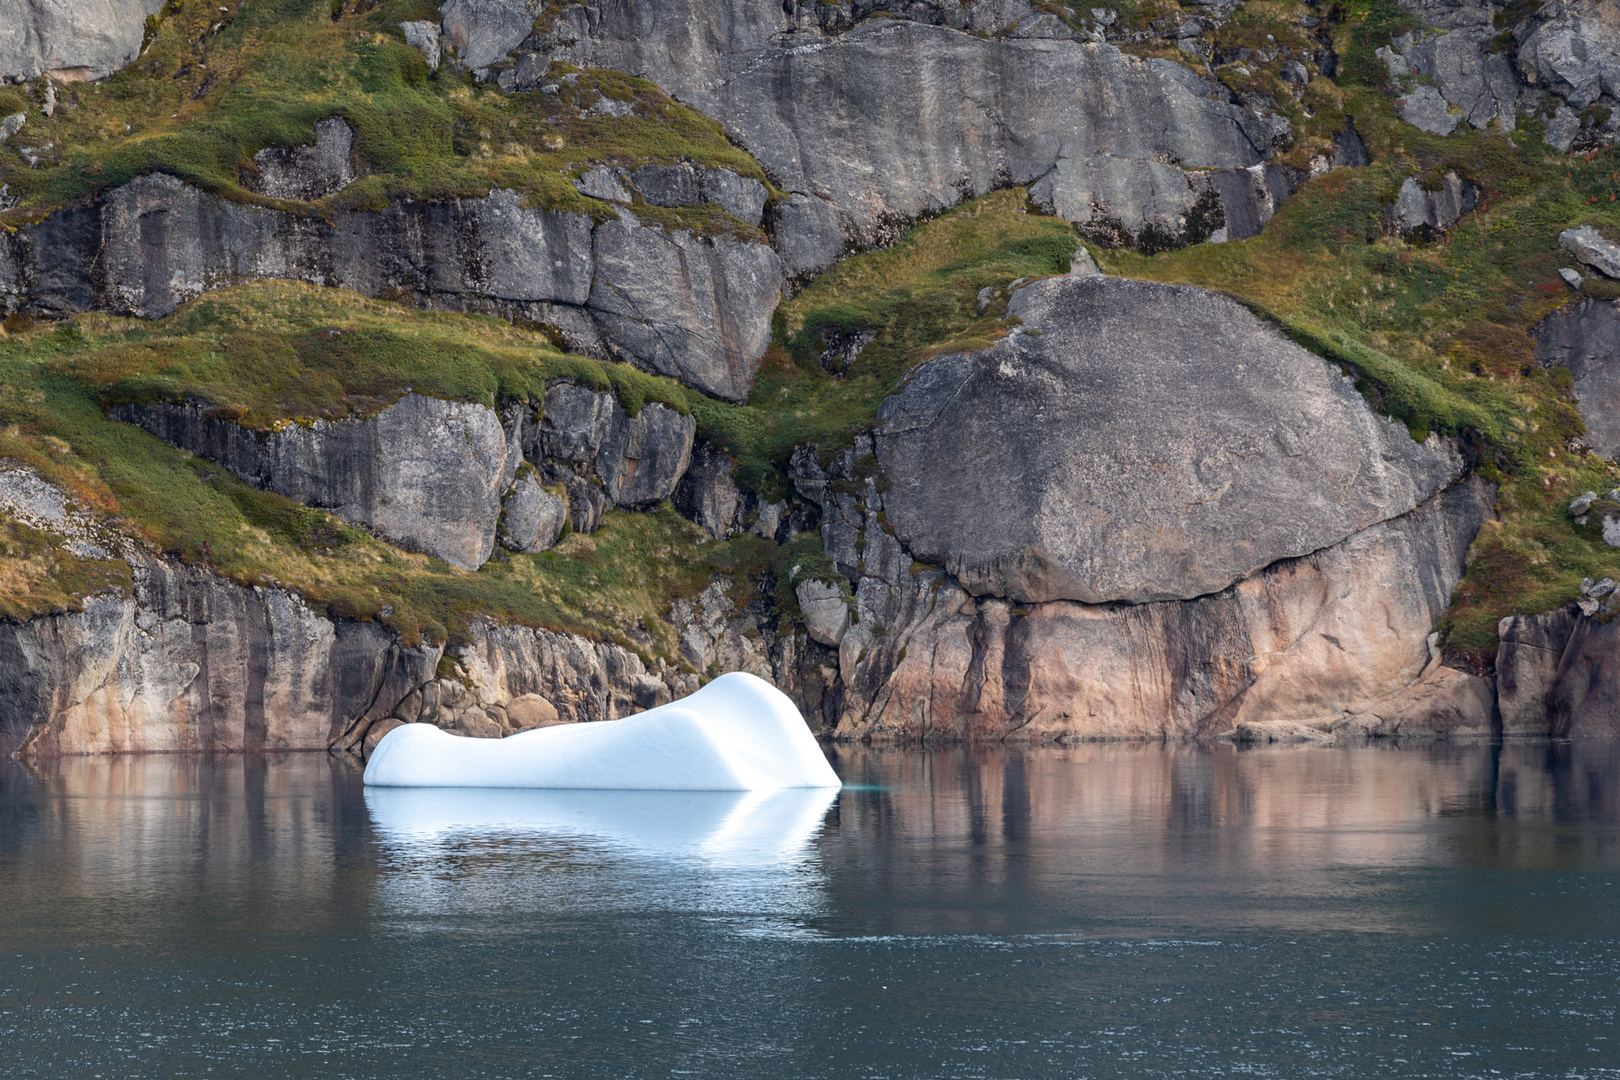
[(1094, 838)]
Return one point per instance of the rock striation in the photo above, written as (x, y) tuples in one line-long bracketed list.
[(1585, 338), (1138, 442), (864, 121), (71, 40), (694, 307)]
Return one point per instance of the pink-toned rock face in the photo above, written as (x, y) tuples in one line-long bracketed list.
[(1318, 639)]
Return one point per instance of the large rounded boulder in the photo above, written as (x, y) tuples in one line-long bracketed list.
[(1132, 441)]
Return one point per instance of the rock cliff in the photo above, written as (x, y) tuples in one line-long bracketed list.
[(868, 121), (436, 476), (428, 474), (694, 307)]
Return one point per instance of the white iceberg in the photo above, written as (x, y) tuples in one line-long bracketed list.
[(739, 733)]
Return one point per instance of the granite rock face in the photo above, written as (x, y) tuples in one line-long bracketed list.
[(692, 307), (532, 518), (427, 474), (483, 31), (1558, 674), (1585, 338), (192, 662), (1152, 442), (697, 308), (708, 494), (880, 120), (71, 40), (585, 434), (308, 172)]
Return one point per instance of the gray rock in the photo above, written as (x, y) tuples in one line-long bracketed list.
[(484, 31), (808, 234), (1074, 465), (638, 460), (1081, 265), (1425, 108), (1571, 277), (1574, 51), (425, 473), (1467, 72), (308, 172), (836, 114), (1585, 338), (532, 518), (1348, 149), (1555, 674), (71, 39), (687, 185), (1424, 214), (1581, 504), (707, 494), (1589, 246), (826, 612), (645, 456), (494, 247), (693, 307), (12, 124), (423, 35), (1563, 129), (602, 182)]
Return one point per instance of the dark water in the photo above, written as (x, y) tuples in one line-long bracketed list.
[(1104, 911)]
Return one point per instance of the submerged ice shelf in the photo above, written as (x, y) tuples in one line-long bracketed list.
[(739, 733)]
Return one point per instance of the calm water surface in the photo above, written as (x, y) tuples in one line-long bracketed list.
[(1102, 911)]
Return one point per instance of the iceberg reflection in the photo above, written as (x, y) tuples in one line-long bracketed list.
[(716, 828)]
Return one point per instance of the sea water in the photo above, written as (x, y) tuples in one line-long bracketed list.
[(1107, 910)]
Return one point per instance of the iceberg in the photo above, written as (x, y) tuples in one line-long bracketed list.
[(739, 733)]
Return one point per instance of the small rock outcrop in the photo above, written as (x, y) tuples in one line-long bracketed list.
[(1422, 215), (1098, 454), (1585, 338), (585, 434), (71, 40), (427, 474), (532, 518), (697, 308), (1592, 249), (307, 172), (708, 493)]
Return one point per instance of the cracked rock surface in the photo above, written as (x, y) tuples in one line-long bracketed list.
[(1135, 441)]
